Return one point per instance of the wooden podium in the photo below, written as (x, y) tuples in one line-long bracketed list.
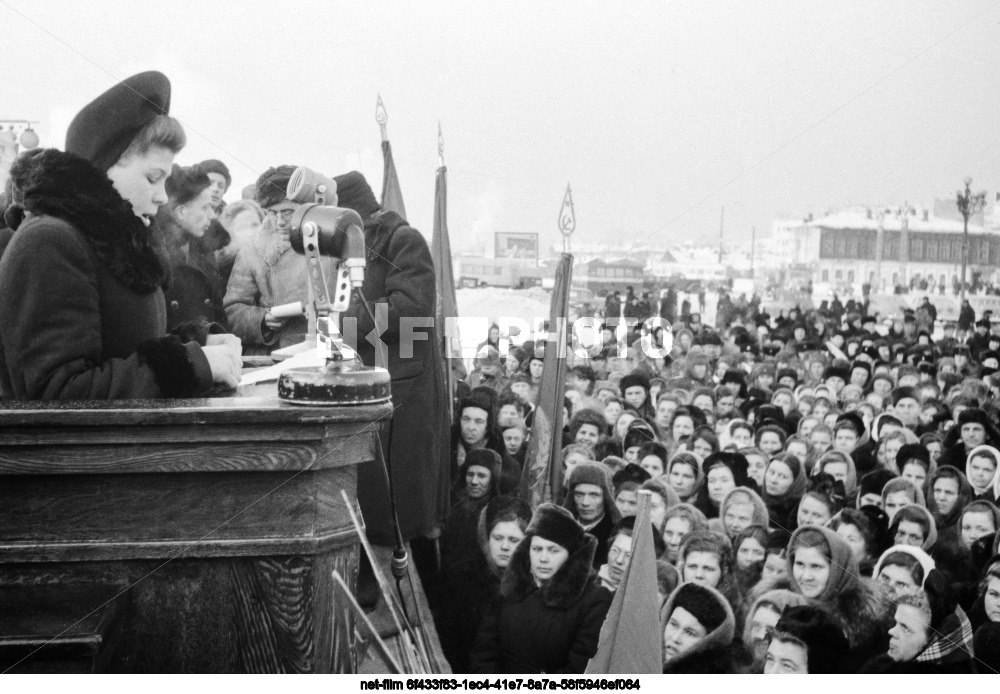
[(178, 535)]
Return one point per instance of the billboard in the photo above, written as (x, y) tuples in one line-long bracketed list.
[(515, 245)]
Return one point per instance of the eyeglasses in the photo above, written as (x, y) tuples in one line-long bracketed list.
[(285, 214)]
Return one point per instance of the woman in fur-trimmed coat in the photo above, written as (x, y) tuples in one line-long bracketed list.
[(545, 621), (82, 314), (862, 607)]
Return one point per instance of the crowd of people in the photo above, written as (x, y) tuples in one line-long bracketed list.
[(822, 491), (823, 496)]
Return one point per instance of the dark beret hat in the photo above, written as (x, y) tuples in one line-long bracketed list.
[(103, 130), (272, 185)]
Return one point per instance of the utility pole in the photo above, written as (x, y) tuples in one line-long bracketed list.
[(904, 245), (722, 219), (969, 205), (753, 253)]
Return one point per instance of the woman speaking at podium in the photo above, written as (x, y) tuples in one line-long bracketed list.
[(82, 314)]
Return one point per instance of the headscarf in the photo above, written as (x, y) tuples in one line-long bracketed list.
[(799, 481), (690, 459), (925, 560), (964, 496), (740, 495), (843, 566), (932, 532), (989, 452), (980, 506), (832, 456), (780, 598), (898, 484)]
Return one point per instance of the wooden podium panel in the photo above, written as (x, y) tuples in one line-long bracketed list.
[(196, 535)]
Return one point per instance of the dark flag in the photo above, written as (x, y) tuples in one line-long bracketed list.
[(542, 475), (392, 194), (447, 304), (631, 640)]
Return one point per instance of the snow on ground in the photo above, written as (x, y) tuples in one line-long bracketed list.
[(481, 307)]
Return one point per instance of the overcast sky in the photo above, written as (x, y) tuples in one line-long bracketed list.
[(658, 113)]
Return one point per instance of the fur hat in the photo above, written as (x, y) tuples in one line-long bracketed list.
[(974, 415), (556, 524), (104, 128), (631, 473), (787, 373), (354, 193), (736, 462), (904, 392), (824, 638), (855, 420), (482, 457), (272, 185), (500, 506), (737, 377), (703, 604), (216, 166), (597, 475), (638, 433), (911, 451), (839, 369), (636, 378)]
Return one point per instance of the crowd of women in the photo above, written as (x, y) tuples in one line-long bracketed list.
[(824, 499)]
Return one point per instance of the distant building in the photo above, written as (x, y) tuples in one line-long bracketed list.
[(887, 248), (602, 276)]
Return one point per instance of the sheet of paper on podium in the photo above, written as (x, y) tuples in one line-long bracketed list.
[(271, 373)]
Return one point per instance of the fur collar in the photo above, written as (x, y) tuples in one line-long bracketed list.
[(70, 188), (567, 585), (864, 610)]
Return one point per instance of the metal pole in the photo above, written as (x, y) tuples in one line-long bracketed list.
[(722, 219), (965, 250)]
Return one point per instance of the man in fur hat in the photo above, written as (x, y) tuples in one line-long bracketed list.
[(974, 428), (590, 501)]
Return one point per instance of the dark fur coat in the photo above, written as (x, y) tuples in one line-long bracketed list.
[(82, 314), (551, 629)]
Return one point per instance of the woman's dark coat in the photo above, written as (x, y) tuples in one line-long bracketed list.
[(469, 583), (553, 629), (82, 314), (195, 286)]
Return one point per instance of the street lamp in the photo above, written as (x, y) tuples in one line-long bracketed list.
[(29, 138), (969, 204)]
